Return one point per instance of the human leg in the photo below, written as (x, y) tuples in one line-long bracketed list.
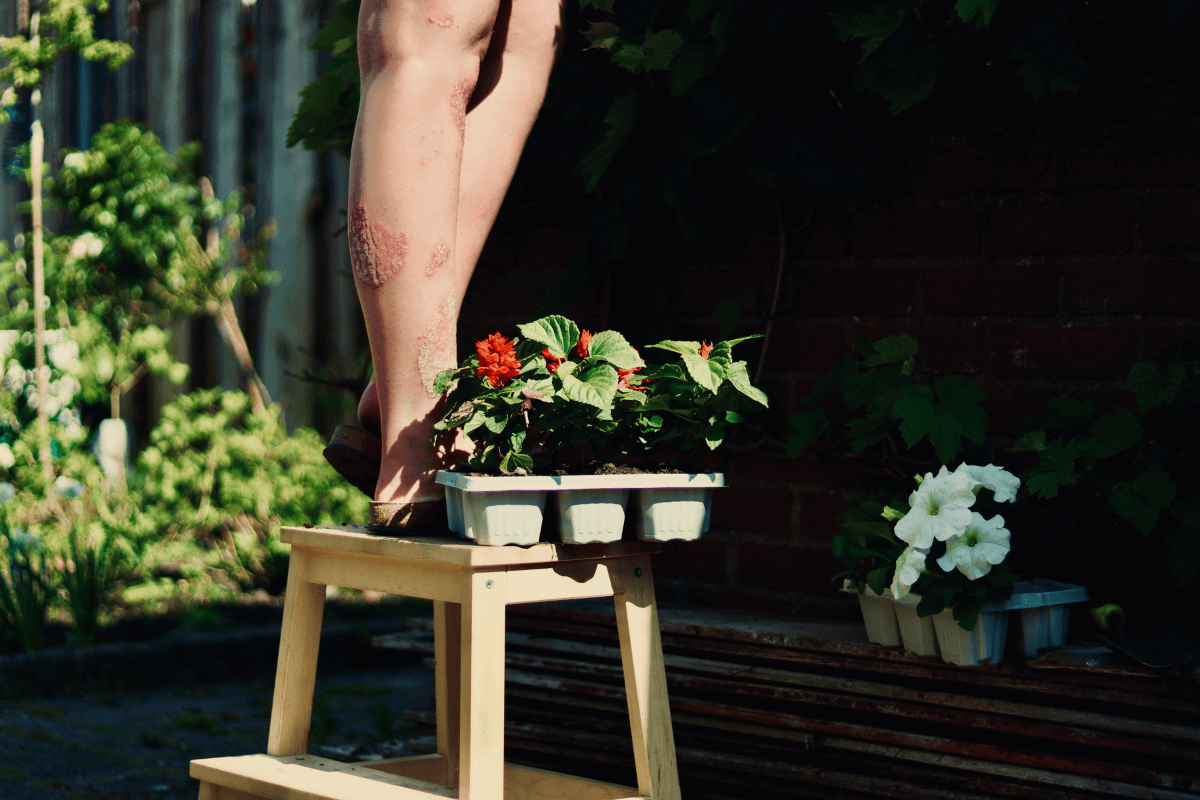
[(511, 86)]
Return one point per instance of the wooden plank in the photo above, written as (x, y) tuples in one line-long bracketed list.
[(296, 673), (481, 699), (310, 778), (526, 783), (453, 552), (447, 677), (429, 768), (382, 574), (645, 680), (1001, 714), (225, 793), (568, 580)]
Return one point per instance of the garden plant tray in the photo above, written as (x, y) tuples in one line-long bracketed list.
[(498, 510)]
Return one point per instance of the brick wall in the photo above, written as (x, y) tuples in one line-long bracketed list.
[(1036, 262)]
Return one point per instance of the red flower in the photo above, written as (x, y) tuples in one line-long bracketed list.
[(585, 339), (552, 363), (623, 375), (497, 360), (705, 349)]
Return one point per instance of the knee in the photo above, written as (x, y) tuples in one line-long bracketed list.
[(453, 33)]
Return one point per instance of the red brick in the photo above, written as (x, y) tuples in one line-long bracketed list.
[(817, 515), (1076, 228), (1007, 408), (763, 510), (942, 350), (917, 232), (792, 569), (736, 601), (1074, 353), (825, 241), (806, 469), (699, 562), (836, 291), (970, 170), (1109, 164), (1131, 288), (796, 349), (703, 292), (1155, 341), (755, 467), (1171, 225), (970, 291)]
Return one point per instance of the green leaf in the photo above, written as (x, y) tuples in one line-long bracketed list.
[(1140, 501), (966, 613), (878, 579), (444, 380), (979, 10), (611, 346), (660, 48), (1155, 384), (618, 124), (953, 416), (1031, 442), (731, 416), (684, 348), (892, 349), (739, 377), (714, 435), (1046, 57), (878, 529), (496, 419), (595, 385), (1113, 433), (557, 333), (875, 24), (1055, 468), (704, 372), (601, 35), (808, 425), (931, 603)]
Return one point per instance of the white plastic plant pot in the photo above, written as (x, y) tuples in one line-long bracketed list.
[(496, 510), (916, 633), (591, 515), (1041, 610), (879, 615), (674, 507), (983, 645)]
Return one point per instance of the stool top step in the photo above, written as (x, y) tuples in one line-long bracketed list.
[(455, 552)]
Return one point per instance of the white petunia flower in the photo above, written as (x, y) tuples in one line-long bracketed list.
[(982, 544), (998, 479), (908, 570), (7, 459), (941, 508), (7, 492), (68, 488)]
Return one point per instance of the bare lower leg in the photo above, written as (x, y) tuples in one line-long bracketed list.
[(426, 185)]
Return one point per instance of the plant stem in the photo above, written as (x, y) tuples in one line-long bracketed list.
[(783, 237), (37, 144), (231, 332)]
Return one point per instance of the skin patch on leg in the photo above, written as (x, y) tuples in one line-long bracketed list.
[(435, 348), (376, 253), (460, 95), (441, 254), (442, 20)]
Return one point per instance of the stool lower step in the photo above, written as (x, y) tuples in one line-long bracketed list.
[(263, 777)]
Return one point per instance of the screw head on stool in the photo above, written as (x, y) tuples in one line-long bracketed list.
[(489, 584), (637, 572)]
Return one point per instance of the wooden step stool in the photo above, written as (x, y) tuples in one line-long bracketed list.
[(470, 586)]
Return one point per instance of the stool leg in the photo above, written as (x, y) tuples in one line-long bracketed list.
[(447, 644), (296, 674), (646, 681), (481, 720)]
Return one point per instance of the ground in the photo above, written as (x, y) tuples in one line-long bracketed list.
[(137, 744)]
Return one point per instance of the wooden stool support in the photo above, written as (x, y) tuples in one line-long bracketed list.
[(470, 587)]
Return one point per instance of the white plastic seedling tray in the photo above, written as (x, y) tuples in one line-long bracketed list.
[(1042, 608), (879, 615), (591, 508)]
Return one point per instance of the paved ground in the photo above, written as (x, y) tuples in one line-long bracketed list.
[(138, 744)]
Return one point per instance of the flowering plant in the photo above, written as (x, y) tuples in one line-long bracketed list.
[(542, 400), (940, 525), (561, 397)]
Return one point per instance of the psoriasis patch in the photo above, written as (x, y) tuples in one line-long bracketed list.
[(460, 95), (376, 253), (441, 254), (435, 348), (442, 20)]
